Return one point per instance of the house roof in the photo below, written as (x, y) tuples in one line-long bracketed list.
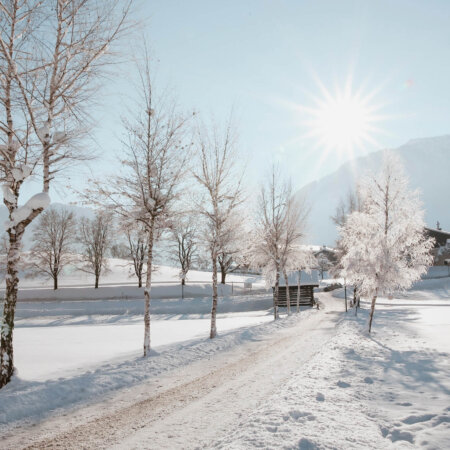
[(440, 236)]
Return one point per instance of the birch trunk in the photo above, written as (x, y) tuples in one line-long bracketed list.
[(275, 295), (288, 294), (372, 309), (298, 289), (147, 290), (355, 303), (213, 332), (9, 307)]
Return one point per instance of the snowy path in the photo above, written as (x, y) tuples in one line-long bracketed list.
[(193, 405)]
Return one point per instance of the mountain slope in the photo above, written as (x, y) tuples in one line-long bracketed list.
[(427, 163)]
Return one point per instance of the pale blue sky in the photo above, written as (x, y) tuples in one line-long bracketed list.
[(264, 57)]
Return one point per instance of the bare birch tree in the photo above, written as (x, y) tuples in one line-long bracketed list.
[(95, 238), (54, 236), (221, 185), (270, 227), (296, 213), (155, 159), (51, 55), (137, 249), (184, 234), (230, 257)]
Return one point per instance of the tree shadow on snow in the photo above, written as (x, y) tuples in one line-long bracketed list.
[(410, 368)]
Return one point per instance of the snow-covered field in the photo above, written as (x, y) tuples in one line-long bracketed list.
[(314, 380), (120, 272), (118, 283), (54, 349)]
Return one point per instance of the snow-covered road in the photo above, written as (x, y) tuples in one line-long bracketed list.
[(194, 404)]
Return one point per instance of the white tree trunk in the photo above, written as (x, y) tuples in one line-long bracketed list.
[(275, 295), (9, 307), (298, 289), (213, 332), (147, 291), (288, 294)]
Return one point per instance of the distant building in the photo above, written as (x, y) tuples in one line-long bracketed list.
[(441, 249)]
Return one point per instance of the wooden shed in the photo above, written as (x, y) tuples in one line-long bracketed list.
[(308, 282)]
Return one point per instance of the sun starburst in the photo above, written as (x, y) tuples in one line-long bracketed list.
[(343, 121)]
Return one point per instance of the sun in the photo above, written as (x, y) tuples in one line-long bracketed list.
[(343, 122)]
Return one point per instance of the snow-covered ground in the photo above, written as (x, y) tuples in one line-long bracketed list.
[(314, 380), (120, 272), (51, 349), (390, 389), (118, 283)]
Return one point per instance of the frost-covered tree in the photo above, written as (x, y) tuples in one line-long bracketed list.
[(156, 153), (95, 236), (54, 237), (221, 195), (51, 56), (385, 246)]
